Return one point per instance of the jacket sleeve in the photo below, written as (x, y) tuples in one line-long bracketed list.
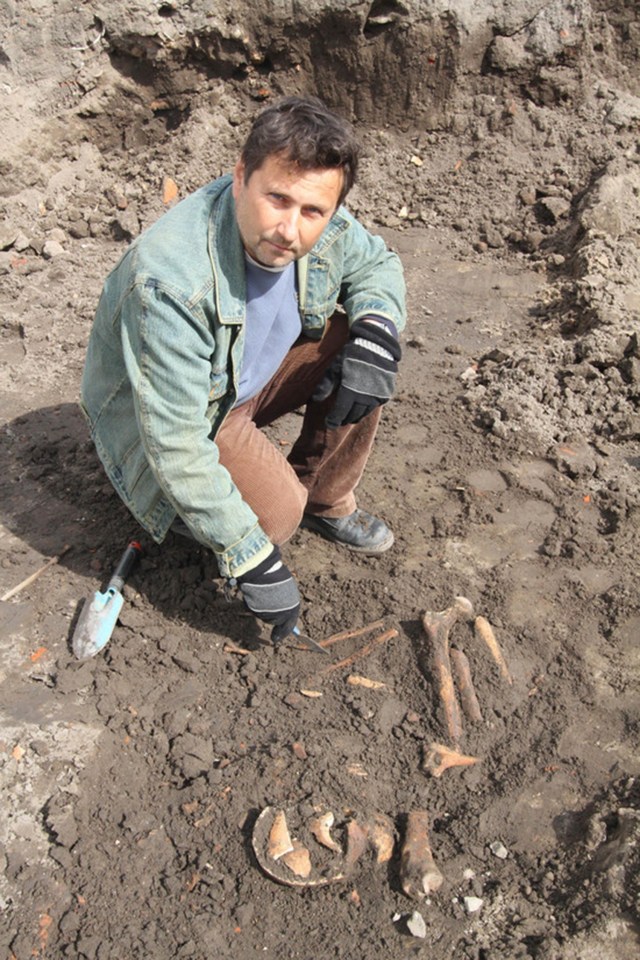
[(167, 351), (373, 278)]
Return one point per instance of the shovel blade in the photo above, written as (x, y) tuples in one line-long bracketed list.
[(96, 623)]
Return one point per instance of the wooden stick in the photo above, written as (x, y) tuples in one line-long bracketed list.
[(362, 652), (464, 682), (231, 648), (347, 634), (34, 576), (484, 631)]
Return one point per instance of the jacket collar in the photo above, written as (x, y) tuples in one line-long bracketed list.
[(227, 256)]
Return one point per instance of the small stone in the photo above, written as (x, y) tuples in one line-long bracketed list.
[(299, 751), (52, 249), (58, 235), (468, 874), (8, 236), (557, 207), (472, 904), (416, 925), (499, 850)]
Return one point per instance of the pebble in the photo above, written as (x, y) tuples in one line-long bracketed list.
[(472, 904), (499, 850), (416, 925), (51, 249)]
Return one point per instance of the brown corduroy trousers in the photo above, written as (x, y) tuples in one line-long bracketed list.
[(324, 467)]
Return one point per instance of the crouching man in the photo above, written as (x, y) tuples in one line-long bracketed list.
[(222, 317)]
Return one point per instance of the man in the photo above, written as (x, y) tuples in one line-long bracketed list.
[(219, 319)]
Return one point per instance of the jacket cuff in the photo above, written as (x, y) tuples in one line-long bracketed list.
[(245, 555), (384, 322)]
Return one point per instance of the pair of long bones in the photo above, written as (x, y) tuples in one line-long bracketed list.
[(418, 871), (449, 661)]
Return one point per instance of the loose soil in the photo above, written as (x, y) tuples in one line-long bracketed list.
[(507, 466)]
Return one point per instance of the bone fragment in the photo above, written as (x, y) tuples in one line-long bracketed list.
[(484, 631), (418, 872), (437, 626), (321, 829), (379, 829), (356, 844), (356, 681), (279, 837), (298, 860), (439, 758), (466, 689)]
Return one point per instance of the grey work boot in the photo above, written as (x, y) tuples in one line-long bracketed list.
[(359, 531)]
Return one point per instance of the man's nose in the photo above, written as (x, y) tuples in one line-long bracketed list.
[(288, 227)]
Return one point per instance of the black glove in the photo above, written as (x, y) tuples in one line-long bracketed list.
[(270, 592), (364, 373)]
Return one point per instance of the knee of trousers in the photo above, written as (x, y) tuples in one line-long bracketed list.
[(282, 517)]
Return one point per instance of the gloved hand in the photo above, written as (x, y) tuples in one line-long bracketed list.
[(364, 373), (270, 592)]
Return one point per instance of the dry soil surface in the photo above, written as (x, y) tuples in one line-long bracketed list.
[(507, 466)]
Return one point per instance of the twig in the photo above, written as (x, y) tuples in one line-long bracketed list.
[(34, 576), (362, 652), (347, 634), (231, 648)]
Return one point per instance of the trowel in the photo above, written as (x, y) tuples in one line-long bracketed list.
[(100, 614)]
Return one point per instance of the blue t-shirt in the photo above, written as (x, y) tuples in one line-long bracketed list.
[(272, 326)]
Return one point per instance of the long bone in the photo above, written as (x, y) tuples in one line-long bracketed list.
[(419, 874), (438, 626)]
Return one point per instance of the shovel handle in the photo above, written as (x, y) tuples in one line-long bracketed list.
[(125, 566)]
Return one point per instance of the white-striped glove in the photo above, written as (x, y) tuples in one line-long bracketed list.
[(364, 373), (271, 594)]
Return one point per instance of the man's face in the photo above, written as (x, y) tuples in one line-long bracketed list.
[(282, 210)]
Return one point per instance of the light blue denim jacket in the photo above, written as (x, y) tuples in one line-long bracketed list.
[(165, 352)]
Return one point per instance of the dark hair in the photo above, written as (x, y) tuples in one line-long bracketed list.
[(306, 133)]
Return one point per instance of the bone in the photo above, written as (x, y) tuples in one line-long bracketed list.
[(356, 845), (484, 631), (438, 626), (379, 829), (279, 837), (298, 860), (464, 683), (419, 874), (321, 829), (439, 758)]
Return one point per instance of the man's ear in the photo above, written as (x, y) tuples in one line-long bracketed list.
[(238, 177)]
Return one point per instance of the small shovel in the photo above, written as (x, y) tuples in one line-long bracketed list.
[(100, 614)]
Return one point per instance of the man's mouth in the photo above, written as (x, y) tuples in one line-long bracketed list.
[(283, 248)]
